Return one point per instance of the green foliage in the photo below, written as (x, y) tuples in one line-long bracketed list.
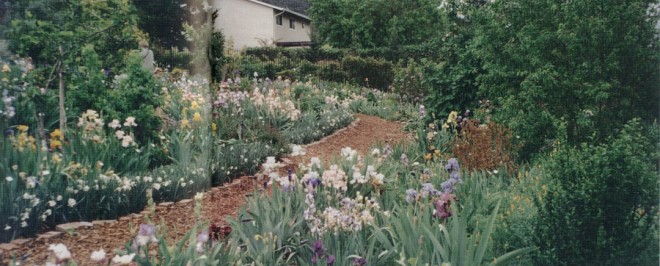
[(163, 21), (313, 126), (591, 66), (236, 158), (173, 59), (368, 72), (331, 71), (216, 56), (251, 64), (380, 23), (88, 88), (408, 81), (135, 93), (42, 28), (601, 206)]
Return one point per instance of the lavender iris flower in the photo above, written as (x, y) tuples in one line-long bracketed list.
[(411, 195)]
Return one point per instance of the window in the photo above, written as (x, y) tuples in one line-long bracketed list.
[(292, 23), (278, 20), (303, 24)]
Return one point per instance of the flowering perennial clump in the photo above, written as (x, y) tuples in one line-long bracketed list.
[(352, 214), (348, 153), (371, 176), (334, 177), (92, 125), (275, 103), (225, 98), (443, 198)]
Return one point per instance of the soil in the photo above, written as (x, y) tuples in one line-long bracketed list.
[(218, 203)]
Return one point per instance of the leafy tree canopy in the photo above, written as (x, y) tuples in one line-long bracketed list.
[(378, 23), (573, 70), (42, 28), (163, 21)]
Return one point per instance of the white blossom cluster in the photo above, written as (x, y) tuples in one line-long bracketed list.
[(370, 176), (275, 103), (351, 215)]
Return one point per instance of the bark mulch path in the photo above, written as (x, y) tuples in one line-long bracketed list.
[(218, 203), (360, 136)]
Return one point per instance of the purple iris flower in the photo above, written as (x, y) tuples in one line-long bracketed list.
[(330, 260), (360, 262), (147, 230), (452, 165), (318, 247)]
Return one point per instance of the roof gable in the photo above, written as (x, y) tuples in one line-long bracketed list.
[(281, 9)]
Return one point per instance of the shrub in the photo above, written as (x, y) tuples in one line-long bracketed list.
[(408, 81), (368, 72), (250, 64), (331, 71), (136, 93), (602, 205), (172, 59), (449, 87), (217, 57), (87, 89)]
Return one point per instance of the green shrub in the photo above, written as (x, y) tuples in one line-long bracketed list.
[(450, 87), (331, 71), (87, 89), (602, 206), (250, 64), (369, 72), (408, 81), (217, 57), (135, 93), (172, 59)]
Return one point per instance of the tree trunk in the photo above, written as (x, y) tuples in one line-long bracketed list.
[(62, 111)]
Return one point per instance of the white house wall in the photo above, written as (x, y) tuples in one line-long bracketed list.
[(283, 33), (244, 22)]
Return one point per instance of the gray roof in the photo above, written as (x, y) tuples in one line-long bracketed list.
[(298, 6), (281, 8)]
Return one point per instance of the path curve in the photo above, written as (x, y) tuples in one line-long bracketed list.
[(218, 203)]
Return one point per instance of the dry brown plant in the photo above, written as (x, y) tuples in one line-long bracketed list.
[(484, 146)]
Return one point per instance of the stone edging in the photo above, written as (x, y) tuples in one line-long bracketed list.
[(68, 227), (61, 229)]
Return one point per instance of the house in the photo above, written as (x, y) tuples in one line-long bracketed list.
[(251, 23)]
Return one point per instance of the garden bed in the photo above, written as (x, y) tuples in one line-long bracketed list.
[(219, 202)]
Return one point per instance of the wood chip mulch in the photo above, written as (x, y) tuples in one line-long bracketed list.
[(218, 203)]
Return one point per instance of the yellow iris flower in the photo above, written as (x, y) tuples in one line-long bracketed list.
[(56, 134), (185, 123), (197, 117), (54, 144)]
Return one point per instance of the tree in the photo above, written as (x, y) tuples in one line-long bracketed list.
[(54, 32), (573, 70), (378, 23), (43, 27), (163, 21)]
